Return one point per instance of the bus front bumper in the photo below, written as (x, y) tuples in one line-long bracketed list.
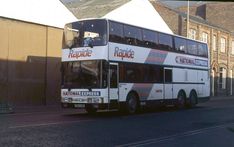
[(82, 105)]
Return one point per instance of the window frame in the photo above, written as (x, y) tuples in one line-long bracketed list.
[(232, 47), (214, 43), (223, 45), (204, 37), (192, 34)]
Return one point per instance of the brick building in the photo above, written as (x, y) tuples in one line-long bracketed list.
[(208, 24)]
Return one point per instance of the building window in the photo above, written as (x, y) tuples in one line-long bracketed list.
[(222, 78), (192, 34), (223, 45), (233, 47), (214, 43), (204, 37)]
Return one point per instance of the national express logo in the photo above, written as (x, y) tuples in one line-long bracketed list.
[(191, 61), (124, 53), (81, 53)]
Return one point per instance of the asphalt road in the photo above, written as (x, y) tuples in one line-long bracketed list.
[(209, 124)]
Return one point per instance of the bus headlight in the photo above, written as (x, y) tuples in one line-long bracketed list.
[(96, 100)]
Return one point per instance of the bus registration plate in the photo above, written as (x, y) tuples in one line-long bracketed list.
[(79, 105)]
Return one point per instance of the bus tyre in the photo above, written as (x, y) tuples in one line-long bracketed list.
[(90, 109), (180, 100), (132, 103), (192, 99)]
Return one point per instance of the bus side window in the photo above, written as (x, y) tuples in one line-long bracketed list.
[(180, 45), (132, 35), (165, 41), (192, 47), (202, 50), (116, 32), (168, 75), (150, 39), (113, 76)]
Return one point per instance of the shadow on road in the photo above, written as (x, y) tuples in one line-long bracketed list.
[(116, 113)]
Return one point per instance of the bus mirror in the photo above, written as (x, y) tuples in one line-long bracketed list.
[(69, 43)]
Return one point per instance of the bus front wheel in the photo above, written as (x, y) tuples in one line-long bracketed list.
[(132, 103)]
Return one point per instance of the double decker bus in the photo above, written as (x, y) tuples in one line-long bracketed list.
[(112, 65)]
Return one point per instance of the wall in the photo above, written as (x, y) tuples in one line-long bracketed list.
[(168, 16), (29, 63), (218, 59)]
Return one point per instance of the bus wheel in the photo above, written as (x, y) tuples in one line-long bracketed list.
[(180, 100), (192, 99), (132, 103), (90, 109)]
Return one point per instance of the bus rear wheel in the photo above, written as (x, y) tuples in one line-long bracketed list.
[(132, 103), (192, 99), (90, 109), (180, 100)]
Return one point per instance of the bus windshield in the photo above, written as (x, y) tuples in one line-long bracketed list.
[(84, 74), (85, 33)]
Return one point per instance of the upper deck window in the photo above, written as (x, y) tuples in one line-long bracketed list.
[(180, 45), (116, 32), (165, 41), (192, 47), (150, 38), (202, 50), (132, 35), (85, 33)]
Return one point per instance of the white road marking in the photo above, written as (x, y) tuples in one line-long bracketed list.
[(48, 124), (173, 137)]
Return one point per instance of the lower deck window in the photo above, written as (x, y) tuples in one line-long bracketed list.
[(140, 73)]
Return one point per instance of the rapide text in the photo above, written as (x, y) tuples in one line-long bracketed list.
[(124, 53), (81, 53)]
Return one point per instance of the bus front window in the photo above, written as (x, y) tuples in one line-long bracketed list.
[(85, 33), (84, 74)]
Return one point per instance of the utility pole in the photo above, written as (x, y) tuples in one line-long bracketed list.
[(188, 20)]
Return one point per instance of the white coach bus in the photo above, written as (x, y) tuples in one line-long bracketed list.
[(112, 65)]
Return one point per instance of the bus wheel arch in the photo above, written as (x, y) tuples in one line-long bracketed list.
[(193, 98), (132, 102), (90, 109), (181, 99)]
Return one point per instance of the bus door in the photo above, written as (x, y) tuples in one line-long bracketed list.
[(114, 81), (168, 86)]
